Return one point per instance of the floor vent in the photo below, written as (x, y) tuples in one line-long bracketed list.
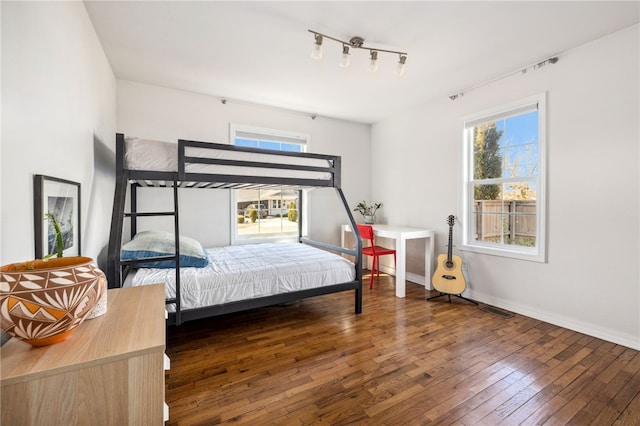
[(499, 312)]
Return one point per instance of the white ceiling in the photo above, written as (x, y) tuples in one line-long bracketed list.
[(259, 52)]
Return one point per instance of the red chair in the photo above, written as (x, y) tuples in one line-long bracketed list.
[(366, 233)]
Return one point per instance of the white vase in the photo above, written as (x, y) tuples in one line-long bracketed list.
[(370, 219)]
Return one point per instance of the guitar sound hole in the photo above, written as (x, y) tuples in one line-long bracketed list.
[(449, 264)]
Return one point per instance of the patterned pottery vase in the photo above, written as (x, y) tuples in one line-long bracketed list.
[(100, 307), (43, 301)]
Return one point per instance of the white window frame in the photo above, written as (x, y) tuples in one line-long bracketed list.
[(291, 137), (538, 253)]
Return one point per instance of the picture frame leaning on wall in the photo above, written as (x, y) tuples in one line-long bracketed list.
[(61, 198)]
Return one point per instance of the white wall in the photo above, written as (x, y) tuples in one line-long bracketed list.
[(58, 119), (153, 112), (591, 280)]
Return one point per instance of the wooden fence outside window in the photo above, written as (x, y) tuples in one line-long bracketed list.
[(512, 220)]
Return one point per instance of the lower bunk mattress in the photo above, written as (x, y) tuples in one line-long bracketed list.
[(250, 271)]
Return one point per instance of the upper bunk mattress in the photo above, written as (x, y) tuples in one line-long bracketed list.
[(152, 155), (250, 271)]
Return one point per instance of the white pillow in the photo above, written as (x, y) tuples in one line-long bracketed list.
[(158, 243)]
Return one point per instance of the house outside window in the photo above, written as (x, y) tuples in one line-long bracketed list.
[(265, 214), (504, 181)]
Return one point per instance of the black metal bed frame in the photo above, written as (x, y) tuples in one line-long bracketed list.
[(126, 179)]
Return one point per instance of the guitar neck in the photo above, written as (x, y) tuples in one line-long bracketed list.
[(450, 247)]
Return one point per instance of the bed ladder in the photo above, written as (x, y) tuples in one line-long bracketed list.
[(134, 215), (117, 269)]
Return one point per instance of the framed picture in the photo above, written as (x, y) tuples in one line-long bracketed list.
[(61, 198)]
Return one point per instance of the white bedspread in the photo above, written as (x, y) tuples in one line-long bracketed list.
[(251, 271)]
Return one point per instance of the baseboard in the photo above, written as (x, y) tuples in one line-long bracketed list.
[(415, 278), (609, 335), (409, 276), (559, 320)]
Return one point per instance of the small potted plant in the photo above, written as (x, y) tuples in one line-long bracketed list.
[(368, 211)]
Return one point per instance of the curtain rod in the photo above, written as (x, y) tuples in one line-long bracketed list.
[(224, 101), (536, 65)]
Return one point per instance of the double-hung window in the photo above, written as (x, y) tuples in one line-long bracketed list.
[(266, 214), (504, 181)]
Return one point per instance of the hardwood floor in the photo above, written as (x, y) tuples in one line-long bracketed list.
[(401, 362)]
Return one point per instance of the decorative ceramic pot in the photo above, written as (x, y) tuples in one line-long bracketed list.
[(100, 307), (43, 301), (370, 220)]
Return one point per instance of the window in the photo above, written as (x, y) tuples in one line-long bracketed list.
[(504, 181), (266, 214)]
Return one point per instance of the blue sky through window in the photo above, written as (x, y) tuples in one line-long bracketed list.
[(276, 146), (519, 144)]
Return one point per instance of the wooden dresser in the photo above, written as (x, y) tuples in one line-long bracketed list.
[(110, 371)]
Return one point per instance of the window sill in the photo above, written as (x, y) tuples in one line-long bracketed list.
[(522, 254)]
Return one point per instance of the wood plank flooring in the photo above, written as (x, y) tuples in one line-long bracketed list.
[(401, 362)]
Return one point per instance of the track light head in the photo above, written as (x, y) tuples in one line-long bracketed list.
[(401, 65), (345, 59), (373, 61), (316, 52)]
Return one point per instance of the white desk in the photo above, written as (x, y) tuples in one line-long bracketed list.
[(401, 234)]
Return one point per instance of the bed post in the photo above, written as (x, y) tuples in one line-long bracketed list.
[(176, 224), (337, 179), (114, 270), (299, 209), (133, 209), (352, 222)]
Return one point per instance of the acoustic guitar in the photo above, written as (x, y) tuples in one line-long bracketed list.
[(448, 277)]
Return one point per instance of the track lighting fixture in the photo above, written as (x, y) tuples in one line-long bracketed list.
[(356, 43)]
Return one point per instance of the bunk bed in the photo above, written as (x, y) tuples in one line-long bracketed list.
[(205, 165)]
